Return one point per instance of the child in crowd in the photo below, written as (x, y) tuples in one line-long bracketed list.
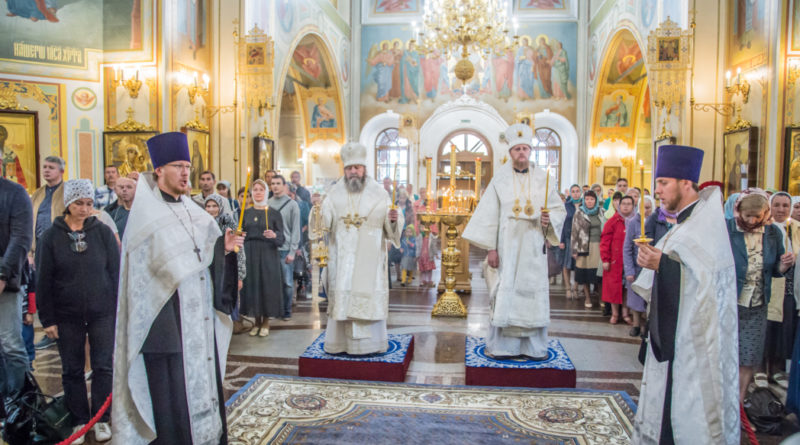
[(409, 247)]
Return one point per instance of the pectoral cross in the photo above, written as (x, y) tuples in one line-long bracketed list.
[(353, 220), (197, 252)]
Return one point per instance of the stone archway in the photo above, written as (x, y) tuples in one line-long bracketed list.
[(311, 120), (621, 128)]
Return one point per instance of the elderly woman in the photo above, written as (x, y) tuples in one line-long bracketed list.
[(77, 264), (567, 262), (612, 241), (262, 294), (587, 226), (782, 309), (758, 253), (630, 251), (214, 205)]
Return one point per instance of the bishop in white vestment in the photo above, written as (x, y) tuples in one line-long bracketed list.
[(358, 215), (510, 224), (690, 384)]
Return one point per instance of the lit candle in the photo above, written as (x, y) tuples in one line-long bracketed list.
[(244, 200), (428, 162), (394, 188), (477, 177), (452, 166), (546, 188), (728, 78), (137, 74), (641, 196)]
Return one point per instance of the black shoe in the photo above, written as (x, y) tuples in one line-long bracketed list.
[(635, 331), (536, 359), (606, 309)]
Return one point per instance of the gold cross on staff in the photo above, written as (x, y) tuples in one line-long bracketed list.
[(353, 220)]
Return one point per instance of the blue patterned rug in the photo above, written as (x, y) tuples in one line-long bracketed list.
[(396, 353), (476, 357), (279, 409)]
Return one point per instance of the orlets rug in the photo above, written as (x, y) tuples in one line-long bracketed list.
[(279, 409)]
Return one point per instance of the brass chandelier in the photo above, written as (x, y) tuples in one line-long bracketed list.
[(469, 25)]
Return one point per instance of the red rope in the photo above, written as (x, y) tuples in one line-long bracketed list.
[(89, 425), (748, 429)]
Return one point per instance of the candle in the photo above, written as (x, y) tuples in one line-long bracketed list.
[(452, 166), (266, 216), (546, 188), (477, 177), (394, 183), (641, 196), (445, 201), (244, 200), (428, 162)]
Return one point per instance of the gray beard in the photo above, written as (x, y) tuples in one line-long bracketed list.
[(356, 184)]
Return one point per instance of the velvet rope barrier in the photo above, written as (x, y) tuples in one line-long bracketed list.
[(748, 429), (89, 425)]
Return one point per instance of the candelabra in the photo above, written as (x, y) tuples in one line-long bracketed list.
[(319, 250), (132, 85)]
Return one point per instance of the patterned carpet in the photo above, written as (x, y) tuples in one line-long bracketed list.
[(280, 409)]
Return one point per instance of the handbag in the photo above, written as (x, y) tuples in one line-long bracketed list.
[(35, 418), (765, 411)]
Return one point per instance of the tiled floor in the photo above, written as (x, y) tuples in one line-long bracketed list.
[(603, 354)]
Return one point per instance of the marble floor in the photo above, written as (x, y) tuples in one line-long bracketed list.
[(604, 355)]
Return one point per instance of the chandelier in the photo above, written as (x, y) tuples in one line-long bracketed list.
[(469, 25)]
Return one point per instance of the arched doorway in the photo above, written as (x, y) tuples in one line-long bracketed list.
[(621, 132), (311, 120), (470, 145)]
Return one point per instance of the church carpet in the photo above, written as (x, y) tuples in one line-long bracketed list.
[(282, 409)]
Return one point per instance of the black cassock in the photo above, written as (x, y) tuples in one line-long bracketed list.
[(663, 324), (163, 354)]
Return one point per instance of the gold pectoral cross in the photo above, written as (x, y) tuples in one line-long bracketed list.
[(353, 220)]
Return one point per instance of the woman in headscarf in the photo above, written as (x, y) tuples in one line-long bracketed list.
[(262, 294), (224, 190), (567, 261), (214, 205), (587, 225), (758, 253), (630, 251), (796, 208), (782, 308), (728, 207)]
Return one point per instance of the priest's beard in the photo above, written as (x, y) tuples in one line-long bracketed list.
[(521, 164), (356, 184)]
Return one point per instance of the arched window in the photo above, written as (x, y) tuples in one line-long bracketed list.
[(469, 146), (547, 152), (391, 150)]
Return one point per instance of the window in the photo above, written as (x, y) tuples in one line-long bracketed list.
[(391, 150), (469, 147), (547, 152)]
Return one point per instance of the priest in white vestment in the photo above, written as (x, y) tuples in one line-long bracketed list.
[(177, 287), (359, 218), (690, 384), (510, 224)]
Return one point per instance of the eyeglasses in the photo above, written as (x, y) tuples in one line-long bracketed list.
[(182, 167), (78, 244)]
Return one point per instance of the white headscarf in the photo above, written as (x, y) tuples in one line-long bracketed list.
[(266, 194)]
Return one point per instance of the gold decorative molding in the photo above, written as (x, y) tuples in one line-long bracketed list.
[(265, 132), (739, 124), (130, 124), (8, 100), (195, 124)]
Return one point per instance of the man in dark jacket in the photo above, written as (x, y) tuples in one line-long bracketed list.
[(16, 221)]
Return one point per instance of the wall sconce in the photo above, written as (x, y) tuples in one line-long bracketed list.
[(627, 155), (132, 84), (738, 85), (793, 71), (268, 105), (598, 155), (193, 88)]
